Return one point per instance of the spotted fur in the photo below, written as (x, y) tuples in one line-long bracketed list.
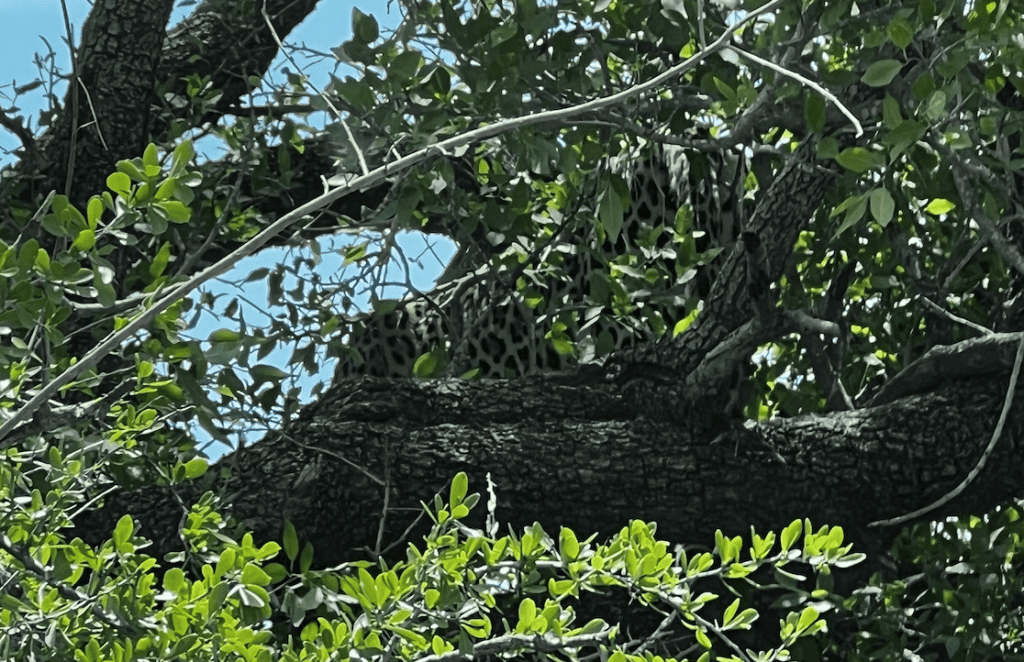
[(492, 322)]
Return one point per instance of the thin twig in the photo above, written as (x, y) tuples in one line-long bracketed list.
[(956, 318), (28, 142), (1007, 403), (1007, 250), (803, 81), (197, 254), (334, 110), (74, 99)]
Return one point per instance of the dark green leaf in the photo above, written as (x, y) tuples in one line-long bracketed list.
[(881, 73), (364, 26)]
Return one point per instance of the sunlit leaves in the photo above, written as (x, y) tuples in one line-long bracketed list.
[(120, 183), (939, 206)]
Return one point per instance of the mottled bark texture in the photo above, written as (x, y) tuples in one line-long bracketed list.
[(593, 454)]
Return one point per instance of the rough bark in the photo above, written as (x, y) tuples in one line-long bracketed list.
[(583, 452)]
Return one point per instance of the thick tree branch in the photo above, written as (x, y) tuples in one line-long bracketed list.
[(116, 66), (554, 445)]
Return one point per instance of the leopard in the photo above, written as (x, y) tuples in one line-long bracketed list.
[(500, 316)]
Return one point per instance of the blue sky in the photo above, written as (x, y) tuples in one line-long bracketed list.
[(23, 29)]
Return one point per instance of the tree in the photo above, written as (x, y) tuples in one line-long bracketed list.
[(879, 145)]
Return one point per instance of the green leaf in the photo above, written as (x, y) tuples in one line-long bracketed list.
[(730, 611), (406, 65), (306, 559), (850, 560), (27, 256), (85, 240), (181, 158), (527, 614), (94, 211), (11, 603), (424, 366), (123, 530), (853, 215), (183, 645), (357, 93), (291, 540), (364, 26), (935, 107), (881, 73), (166, 189), (827, 147), (610, 212), (416, 638), (721, 547), (42, 260), (131, 170), (901, 33), (561, 588), (568, 545), (939, 206), (355, 253), (120, 183), (160, 260), (224, 335), (101, 279), (857, 159), (790, 534), (150, 156), (891, 115), (257, 274), (368, 587), (460, 485), (264, 372), (807, 617), (882, 206), (174, 580), (195, 467), (903, 136), (253, 575), (814, 111), (175, 210), (725, 90)]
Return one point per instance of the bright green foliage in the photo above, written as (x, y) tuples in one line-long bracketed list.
[(460, 589)]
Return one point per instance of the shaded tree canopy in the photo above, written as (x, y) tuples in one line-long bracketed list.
[(850, 354)]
